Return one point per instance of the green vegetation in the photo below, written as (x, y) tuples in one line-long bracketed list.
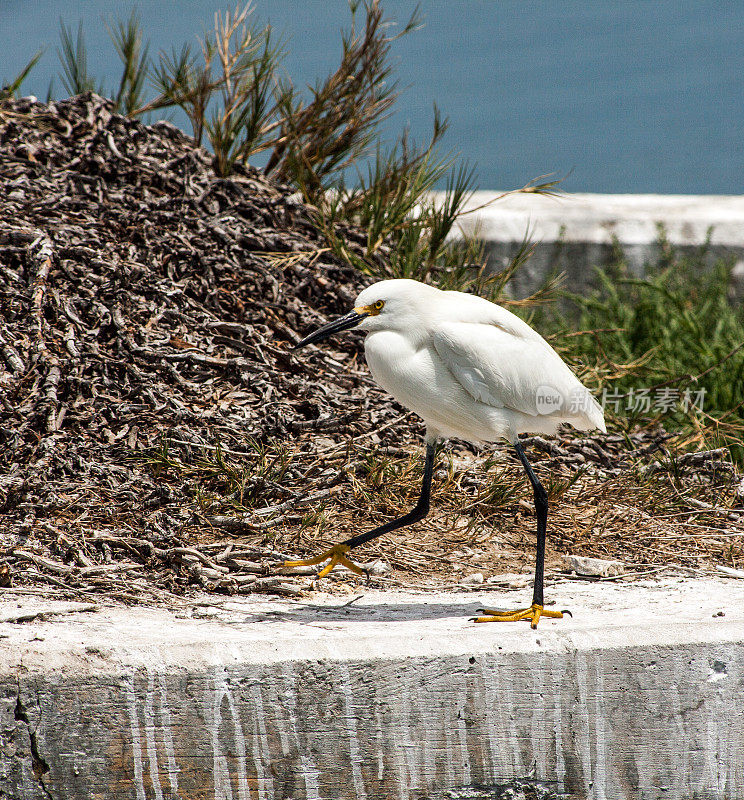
[(667, 348), (10, 88)]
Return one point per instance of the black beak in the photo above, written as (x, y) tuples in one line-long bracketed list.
[(350, 320)]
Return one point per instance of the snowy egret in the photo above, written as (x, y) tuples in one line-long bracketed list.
[(471, 369)]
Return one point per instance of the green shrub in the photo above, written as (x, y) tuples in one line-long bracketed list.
[(675, 332)]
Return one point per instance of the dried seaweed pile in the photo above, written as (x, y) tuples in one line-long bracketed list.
[(151, 408)]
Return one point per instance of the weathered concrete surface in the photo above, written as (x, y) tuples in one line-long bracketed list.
[(391, 696), (576, 233)]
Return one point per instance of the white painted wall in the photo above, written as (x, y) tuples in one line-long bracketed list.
[(576, 232)]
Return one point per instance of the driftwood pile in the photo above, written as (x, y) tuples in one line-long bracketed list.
[(151, 408), (141, 295)]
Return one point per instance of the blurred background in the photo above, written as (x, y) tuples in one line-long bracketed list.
[(629, 96)]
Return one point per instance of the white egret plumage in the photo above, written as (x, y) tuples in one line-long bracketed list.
[(470, 369)]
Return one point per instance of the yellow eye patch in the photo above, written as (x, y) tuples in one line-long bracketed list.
[(371, 310)]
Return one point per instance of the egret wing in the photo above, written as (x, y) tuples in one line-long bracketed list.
[(506, 369)]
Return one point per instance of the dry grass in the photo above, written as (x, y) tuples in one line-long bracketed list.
[(614, 497), (611, 497)]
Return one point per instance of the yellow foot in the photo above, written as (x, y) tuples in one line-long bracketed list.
[(533, 614), (337, 554)]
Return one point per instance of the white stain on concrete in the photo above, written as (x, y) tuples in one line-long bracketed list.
[(351, 730), (407, 734), (221, 692), (310, 773), (166, 727), (155, 728), (139, 785), (261, 752), (556, 673), (506, 681), (494, 722), (582, 732), (152, 749), (397, 744), (379, 742), (429, 736), (600, 748), (446, 726), (539, 737)]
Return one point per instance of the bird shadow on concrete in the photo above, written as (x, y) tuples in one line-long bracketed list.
[(377, 612)]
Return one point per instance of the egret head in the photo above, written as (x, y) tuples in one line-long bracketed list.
[(386, 305)]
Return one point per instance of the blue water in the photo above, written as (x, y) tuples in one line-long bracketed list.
[(626, 96)]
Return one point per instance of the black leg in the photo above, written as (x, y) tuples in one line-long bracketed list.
[(541, 511), (416, 514), (537, 611)]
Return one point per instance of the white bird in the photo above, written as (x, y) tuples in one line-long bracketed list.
[(471, 369)]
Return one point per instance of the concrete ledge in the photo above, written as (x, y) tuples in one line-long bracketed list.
[(576, 233), (389, 696)]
